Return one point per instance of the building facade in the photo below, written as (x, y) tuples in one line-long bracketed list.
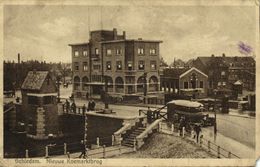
[(122, 62), (189, 82), (39, 104), (224, 71)]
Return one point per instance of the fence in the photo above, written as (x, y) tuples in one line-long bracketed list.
[(55, 150), (204, 143)]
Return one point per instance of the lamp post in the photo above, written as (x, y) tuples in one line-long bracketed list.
[(145, 86), (215, 114), (58, 85), (105, 93)]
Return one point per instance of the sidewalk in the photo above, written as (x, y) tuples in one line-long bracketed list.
[(229, 144), (99, 152)]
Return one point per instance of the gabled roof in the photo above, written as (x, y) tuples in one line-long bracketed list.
[(174, 72), (34, 80), (204, 60), (193, 68)]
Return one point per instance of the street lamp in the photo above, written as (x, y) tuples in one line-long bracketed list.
[(145, 86), (58, 85), (215, 114)]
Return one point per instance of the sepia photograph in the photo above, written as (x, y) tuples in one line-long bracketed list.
[(88, 82)]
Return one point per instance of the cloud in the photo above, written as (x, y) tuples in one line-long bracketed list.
[(59, 27)]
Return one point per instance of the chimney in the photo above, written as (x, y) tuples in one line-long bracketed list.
[(212, 55), (115, 33), (124, 35), (18, 58), (223, 55)]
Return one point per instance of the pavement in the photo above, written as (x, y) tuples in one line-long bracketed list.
[(229, 144), (110, 151)]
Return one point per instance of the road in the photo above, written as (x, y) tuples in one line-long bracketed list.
[(240, 129)]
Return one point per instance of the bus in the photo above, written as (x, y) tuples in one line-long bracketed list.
[(192, 112)]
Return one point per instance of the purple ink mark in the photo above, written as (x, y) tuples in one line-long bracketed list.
[(244, 48)]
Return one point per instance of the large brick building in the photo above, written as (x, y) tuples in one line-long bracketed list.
[(121, 61), (224, 71)]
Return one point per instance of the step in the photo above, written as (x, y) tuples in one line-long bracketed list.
[(128, 145), (141, 128), (128, 142)]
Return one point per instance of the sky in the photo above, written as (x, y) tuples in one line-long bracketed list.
[(44, 32)]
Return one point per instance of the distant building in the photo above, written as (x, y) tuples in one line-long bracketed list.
[(224, 71), (39, 105), (122, 61), (185, 81)]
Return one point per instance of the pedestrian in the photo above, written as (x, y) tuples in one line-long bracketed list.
[(89, 106), (83, 149), (84, 109), (93, 105), (67, 104), (73, 107), (149, 115), (87, 94), (182, 124), (197, 130)]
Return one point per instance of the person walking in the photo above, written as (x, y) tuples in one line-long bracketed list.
[(197, 130), (149, 115), (93, 105), (89, 106), (67, 104), (83, 149), (84, 109), (182, 124), (73, 107)]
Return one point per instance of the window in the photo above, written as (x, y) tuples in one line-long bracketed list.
[(32, 100), (224, 83), (223, 73), (186, 85), (47, 100), (96, 51), (152, 51), (109, 65), (141, 65), (201, 84), (96, 78), (153, 65), (119, 65), (85, 53), (96, 67), (118, 51), (109, 52), (76, 66), (140, 51), (219, 83), (129, 65), (76, 53), (85, 66)]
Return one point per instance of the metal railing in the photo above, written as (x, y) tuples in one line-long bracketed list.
[(208, 145)]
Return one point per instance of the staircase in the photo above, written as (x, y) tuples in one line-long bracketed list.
[(130, 139)]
